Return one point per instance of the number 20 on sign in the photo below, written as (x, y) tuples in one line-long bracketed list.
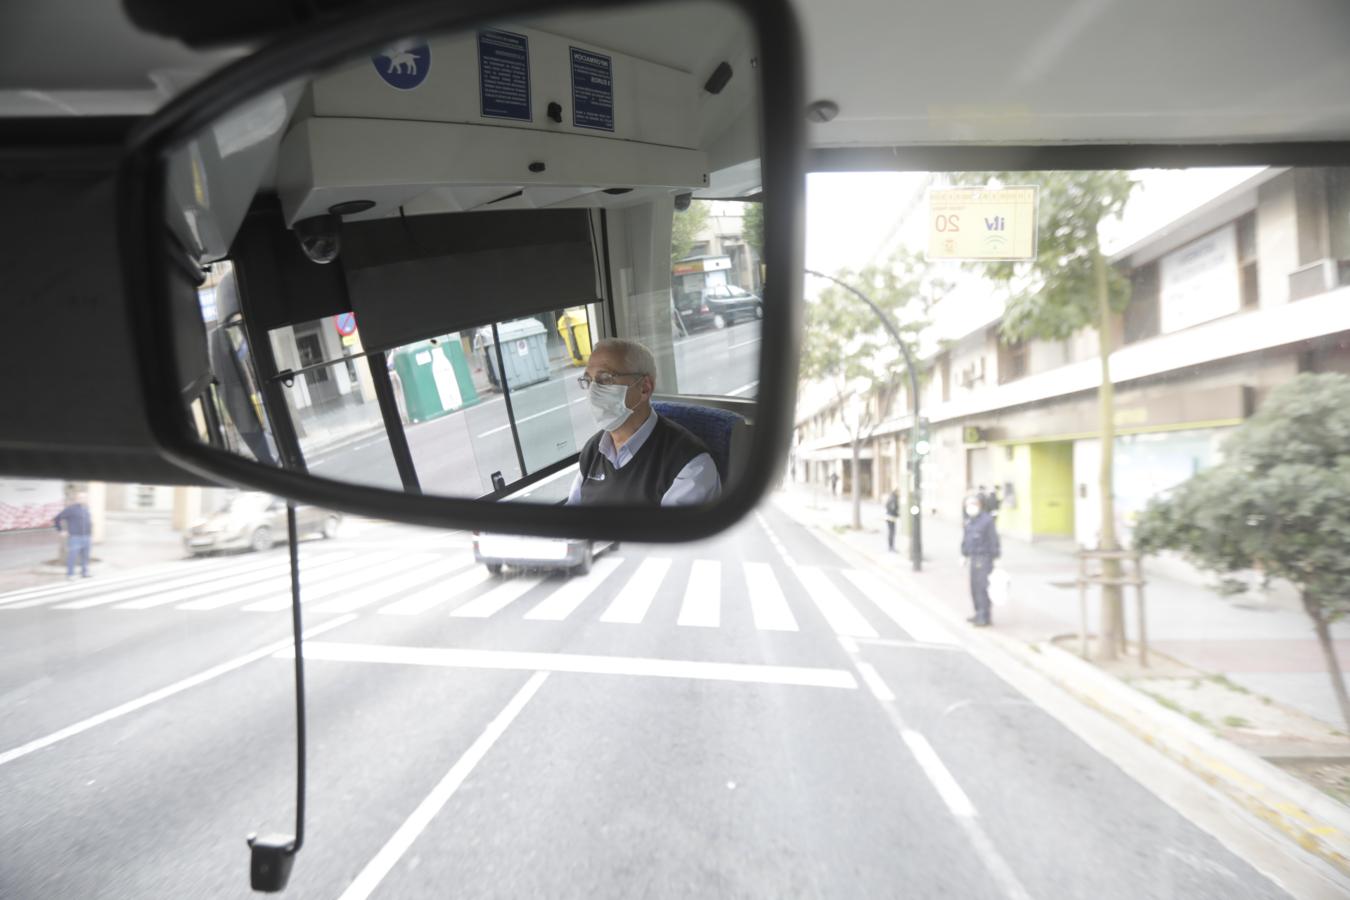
[(979, 223)]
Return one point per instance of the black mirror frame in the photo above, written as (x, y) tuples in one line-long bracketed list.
[(140, 204)]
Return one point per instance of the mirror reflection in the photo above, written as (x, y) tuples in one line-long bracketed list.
[(520, 263)]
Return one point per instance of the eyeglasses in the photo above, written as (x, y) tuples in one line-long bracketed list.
[(604, 379)]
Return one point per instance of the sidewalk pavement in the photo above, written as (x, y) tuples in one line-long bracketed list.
[(130, 540), (1267, 649)]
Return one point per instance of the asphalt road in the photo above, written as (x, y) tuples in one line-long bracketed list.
[(741, 717), (457, 454)]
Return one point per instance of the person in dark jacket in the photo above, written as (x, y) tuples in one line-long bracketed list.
[(892, 516), (77, 524), (979, 544)]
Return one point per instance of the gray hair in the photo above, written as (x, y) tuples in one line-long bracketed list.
[(636, 357)]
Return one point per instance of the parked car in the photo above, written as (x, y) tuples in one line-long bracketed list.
[(718, 306), (250, 521), (497, 550)]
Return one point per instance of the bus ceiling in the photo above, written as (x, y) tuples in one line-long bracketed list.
[(684, 119)]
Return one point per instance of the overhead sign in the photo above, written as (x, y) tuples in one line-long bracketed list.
[(404, 68), (592, 90), (504, 75), (345, 323), (1200, 281), (980, 223)]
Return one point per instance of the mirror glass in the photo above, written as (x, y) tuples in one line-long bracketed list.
[(519, 262)]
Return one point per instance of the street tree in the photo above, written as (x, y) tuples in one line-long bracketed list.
[(1276, 504), (847, 348), (752, 228), (686, 228), (1069, 287)]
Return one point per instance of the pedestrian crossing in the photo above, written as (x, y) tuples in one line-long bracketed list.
[(697, 595)]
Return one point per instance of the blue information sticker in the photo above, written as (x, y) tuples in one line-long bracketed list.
[(403, 67), (504, 75), (592, 90)]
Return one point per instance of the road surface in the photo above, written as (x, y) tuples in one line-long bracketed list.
[(746, 716)]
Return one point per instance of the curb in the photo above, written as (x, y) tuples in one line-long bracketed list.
[(1300, 812)]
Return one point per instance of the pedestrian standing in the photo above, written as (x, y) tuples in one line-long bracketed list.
[(892, 516), (995, 501), (77, 524), (980, 547), (834, 483)]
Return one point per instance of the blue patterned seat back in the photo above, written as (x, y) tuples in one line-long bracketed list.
[(712, 426)]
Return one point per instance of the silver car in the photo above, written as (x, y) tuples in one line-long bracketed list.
[(255, 522)]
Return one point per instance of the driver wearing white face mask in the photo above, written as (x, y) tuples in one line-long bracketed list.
[(637, 456)]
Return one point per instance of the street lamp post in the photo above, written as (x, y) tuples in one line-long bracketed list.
[(915, 456)]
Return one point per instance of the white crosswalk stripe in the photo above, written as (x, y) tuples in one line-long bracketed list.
[(497, 599), (434, 595), (365, 574), (564, 601), (702, 607), (202, 581), (767, 603), (631, 606), (842, 615), (918, 624), (50, 592), (275, 594), (436, 570)]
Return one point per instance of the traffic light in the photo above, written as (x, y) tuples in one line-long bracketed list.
[(922, 445)]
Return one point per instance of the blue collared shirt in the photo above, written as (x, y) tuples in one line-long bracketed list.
[(697, 482)]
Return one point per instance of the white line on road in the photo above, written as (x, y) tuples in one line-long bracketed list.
[(393, 849), (454, 658), (165, 692), (565, 600), (874, 682), (436, 594), (743, 388), (916, 623), (497, 599), (377, 593), (551, 409), (745, 343), (368, 571), (767, 603), (843, 617), (702, 607), (630, 607), (935, 769)]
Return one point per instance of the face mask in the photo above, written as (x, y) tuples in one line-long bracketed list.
[(607, 406), (972, 511)]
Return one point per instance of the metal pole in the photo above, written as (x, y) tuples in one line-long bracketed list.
[(916, 495)]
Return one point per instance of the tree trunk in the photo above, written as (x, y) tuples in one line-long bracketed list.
[(1314, 610), (857, 486), (1111, 633)]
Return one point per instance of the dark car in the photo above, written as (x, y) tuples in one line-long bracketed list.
[(718, 306)]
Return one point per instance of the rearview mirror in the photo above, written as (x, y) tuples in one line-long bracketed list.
[(414, 265)]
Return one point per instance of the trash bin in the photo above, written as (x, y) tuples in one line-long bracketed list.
[(524, 348), (453, 348), (575, 330), (430, 388)]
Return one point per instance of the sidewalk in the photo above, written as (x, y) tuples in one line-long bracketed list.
[(1267, 649), (131, 540)]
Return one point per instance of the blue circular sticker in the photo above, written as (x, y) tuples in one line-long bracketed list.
[(404, 67)]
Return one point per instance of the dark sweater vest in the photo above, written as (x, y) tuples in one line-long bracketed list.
[(647, 476)]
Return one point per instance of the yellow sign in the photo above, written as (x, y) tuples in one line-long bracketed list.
[(982, 223)]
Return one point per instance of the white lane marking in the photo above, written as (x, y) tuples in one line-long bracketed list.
[(849, 644), (254, 581), (702, 607), (377, 593), (551, 409), (843, 617), (497, 599), (369, 569), (165, 692), (374, 872), (213, 596), (454, 658), (743, 388), (436, 594), (565, 600), (182, 567), (916, 623), (204, 580), (767, 603), (938, 773), (745, 343), (93, 593), (630, 607), (874, 682)]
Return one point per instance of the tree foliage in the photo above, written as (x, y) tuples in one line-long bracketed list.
[(1055, 296), (686, 227), (1279, 502), (752, 228)]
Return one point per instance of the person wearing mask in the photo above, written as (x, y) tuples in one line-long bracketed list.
[(637, 456), (892, 516), (77, 524), (980, 547)]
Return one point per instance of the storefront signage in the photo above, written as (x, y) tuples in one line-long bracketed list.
[(1200, 281), (981, 223)]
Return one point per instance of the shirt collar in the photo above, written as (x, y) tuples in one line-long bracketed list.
[(618, 459)]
